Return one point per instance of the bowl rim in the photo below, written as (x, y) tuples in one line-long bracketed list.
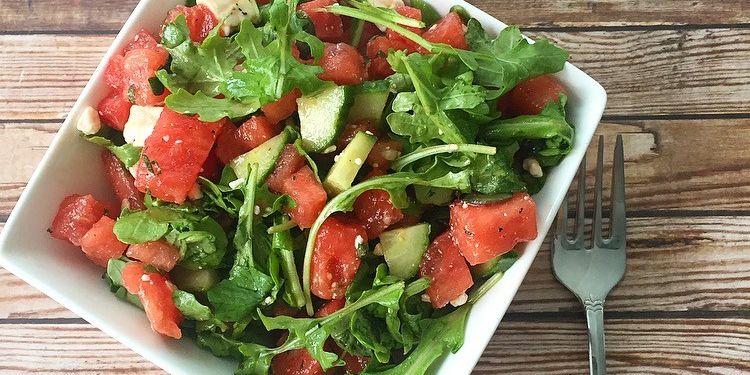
[(488, 311)]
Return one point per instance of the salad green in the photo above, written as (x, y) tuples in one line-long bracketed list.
[(253, 242)]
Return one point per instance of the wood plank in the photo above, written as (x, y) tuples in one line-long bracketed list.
[(674, 264), (645, 72), (19, 300), (27, 15), (66, 348), (672, 346), (664, 71)]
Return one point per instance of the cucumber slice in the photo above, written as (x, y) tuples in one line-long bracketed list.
[(433, 195), (195, 281), (348, 163), (370, 102), (323, 116), (264, 155), (404, 248)]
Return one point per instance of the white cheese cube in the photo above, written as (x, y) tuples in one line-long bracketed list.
[(88, 121), (140, 124), (232, 12)]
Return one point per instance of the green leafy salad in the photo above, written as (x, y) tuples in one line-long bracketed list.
[(319, 187)]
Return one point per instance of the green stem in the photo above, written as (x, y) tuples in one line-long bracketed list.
[(407, 159), (359, 27), (282, 242), (282, 227), (378, 20)]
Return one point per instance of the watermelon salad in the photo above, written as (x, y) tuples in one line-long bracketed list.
[(318, 187)]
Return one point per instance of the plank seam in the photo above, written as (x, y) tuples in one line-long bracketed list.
[(558, 29)]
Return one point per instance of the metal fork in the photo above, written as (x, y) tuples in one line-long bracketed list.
[(590, 273)]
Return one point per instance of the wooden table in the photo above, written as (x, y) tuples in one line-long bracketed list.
[(678, 77)]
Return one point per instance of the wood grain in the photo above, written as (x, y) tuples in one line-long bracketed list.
[(19, 300), (67, 348), (652, 72), (677, 346), (28, 15), (674, 264)]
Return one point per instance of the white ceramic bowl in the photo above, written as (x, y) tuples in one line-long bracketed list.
[(72, 165)]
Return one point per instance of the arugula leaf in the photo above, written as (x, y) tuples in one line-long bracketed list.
[(127, 153), (550, 126), (428, 120), (190, 307), (210, 109), (395, 184), (197, 67), (203, 247), (312, 333), (494, 174), (247, 287), (219, 345), (510, 58), (500, 63), (426, 152), (150, 224), (235, 298), (439, 336)]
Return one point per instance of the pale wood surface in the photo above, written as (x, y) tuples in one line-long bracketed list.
[(678, 77)]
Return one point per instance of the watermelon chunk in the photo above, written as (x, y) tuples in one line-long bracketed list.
[(75, 216), (174, 155)]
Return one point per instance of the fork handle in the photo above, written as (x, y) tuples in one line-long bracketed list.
[(595, 321)]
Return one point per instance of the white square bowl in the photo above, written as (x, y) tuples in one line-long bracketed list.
[(72, 165)]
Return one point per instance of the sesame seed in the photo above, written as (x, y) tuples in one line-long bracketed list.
[(257, 210), (425, 298), (165, 138), (358, 161), (145, 277), (368, 132), (177, 142)]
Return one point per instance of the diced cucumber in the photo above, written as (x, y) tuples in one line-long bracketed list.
[(370, 102), (433, 195), (404, 248), (348, 163), (323, 116), (195, 281), (264, 155), (500, 263)]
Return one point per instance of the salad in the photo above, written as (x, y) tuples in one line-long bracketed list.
[(318, 187)]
